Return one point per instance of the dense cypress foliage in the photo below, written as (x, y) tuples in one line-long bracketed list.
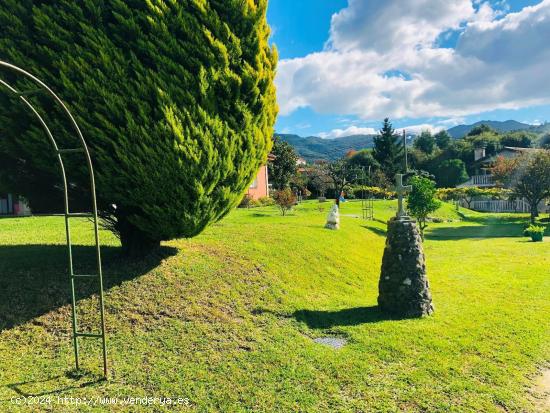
[(175, 98)]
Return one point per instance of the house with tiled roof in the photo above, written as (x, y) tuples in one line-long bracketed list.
[(483, 178)]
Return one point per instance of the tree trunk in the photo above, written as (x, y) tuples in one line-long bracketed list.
[(136, 243), (534, 211)]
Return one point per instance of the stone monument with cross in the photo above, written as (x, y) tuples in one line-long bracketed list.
[(401, 191), (403, 288)]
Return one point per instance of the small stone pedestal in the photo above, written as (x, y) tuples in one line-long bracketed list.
[(403, 287)]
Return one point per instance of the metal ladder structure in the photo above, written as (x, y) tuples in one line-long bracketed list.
[(60, 152), (367, 203)]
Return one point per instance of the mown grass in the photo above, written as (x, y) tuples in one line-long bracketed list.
[(227, 319)]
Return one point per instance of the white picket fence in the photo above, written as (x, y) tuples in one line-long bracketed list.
[(498, 205), (479, 181)]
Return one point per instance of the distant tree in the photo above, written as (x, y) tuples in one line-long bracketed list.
[(418, 159), (422, 201), (283, 168), (340, 175), (471, 192), (425, 142), (504, 170), (468, 194), (299, 182), (451, 173), (350, 153), (490, 140), (285, 200), (318, 179), (545, 141), (443, 139), (362, 159), (480, 129), (380, 180), (388, 150), (533, 182), (520, 139)]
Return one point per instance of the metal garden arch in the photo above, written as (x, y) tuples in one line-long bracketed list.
[(82, 148)]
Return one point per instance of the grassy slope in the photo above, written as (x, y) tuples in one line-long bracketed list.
[(226, 319)]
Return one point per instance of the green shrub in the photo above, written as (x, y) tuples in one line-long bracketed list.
[(285, 200), (535, 229), (356, 192), (468, 194), (176, 100), (266, 201), (246, 201), (421, 201)]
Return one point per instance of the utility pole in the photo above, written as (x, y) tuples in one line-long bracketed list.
[(405, 151)]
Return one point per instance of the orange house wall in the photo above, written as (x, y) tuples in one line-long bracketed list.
[(261, 188)]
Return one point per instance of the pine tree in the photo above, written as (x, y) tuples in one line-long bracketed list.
[(176, 100), (388, 150)]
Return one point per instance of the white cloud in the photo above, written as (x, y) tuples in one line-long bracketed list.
[(418, 129), (352, 130), (449, 123), (394, 24), (498, 63)]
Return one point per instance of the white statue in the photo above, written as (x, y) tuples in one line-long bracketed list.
[(333, 219)]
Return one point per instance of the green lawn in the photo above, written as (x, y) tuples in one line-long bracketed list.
[(227, 319)]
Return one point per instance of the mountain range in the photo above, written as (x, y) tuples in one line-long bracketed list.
[(460, 131), (313, 148)]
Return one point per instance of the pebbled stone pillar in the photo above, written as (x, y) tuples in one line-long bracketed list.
[(403, 288)]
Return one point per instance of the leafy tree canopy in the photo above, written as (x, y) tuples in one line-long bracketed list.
[(443, 139), (363, 159), (533, 182), (480, 129), (425, 142), (421, 200), (545, 141), (519, 139), (283, 168), (450, 173)]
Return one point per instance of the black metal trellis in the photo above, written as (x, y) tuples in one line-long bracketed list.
[(82, 148)]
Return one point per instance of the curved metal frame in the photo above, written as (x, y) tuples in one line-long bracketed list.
[(93, 215), (367, 204)]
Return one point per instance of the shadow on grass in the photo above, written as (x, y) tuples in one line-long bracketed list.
[(260, 215), (377, 231), (346, 317), (34, 278), (490, 219), (475, 231), (57, 384)]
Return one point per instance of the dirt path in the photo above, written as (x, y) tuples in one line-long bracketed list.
[(541, 391)]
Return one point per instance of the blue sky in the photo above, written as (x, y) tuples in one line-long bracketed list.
[(341, 75)]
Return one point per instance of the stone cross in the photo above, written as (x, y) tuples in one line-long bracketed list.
[(401, 191)]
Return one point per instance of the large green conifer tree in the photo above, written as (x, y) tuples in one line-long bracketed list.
[(175, 98), (388, 150)]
